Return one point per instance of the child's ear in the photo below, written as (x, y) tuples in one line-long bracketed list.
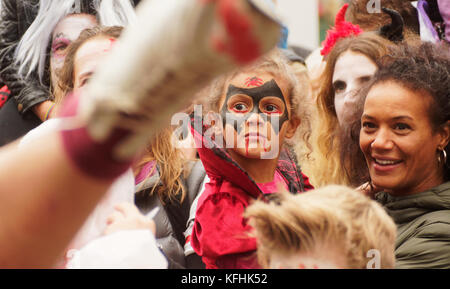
[(293, 124)]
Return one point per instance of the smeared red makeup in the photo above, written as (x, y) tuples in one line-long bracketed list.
[(254, 81), (112, 41)]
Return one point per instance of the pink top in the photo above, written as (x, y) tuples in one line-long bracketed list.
[(145, 172), (272, 187)]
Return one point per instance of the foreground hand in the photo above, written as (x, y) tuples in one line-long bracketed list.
[(127, 217)]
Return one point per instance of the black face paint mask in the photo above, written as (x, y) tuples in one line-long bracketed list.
[(270, 88)]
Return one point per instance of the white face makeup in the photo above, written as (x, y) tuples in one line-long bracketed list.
[(351, 72), (66, 31)]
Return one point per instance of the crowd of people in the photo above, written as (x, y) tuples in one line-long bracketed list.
[(168, 134)]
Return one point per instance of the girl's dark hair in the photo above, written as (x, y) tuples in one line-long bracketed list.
[(424, 68)]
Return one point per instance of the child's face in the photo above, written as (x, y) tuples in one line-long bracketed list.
[(256, 114)]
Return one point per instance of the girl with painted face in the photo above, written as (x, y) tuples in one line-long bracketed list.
[(252, 112), (405, 138)]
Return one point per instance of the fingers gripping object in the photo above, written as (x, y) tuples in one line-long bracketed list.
[(174, 49)]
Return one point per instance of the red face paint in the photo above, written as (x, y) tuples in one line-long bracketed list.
[(246, 146), (254, 81), (112, 41), (266, 147)]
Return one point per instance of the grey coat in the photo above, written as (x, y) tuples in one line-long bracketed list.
[(423, 222)]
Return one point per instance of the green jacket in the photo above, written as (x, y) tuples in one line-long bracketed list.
[(423, 223)]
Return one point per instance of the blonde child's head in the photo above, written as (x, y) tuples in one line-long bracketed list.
[(331, 227)]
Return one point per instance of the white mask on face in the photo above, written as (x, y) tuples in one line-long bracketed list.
[(351, 72)]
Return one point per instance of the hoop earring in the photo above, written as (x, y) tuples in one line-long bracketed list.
[(444, 153)]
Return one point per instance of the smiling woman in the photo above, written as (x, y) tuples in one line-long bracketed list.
[(405, 139), (398, 140)]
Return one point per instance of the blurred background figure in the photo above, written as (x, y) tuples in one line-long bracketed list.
[(34, 35)]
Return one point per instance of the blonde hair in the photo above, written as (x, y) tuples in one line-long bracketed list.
[(170, 162), (304, 150), (333, 216)]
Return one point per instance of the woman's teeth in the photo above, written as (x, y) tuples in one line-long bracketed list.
[(386, 162)]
